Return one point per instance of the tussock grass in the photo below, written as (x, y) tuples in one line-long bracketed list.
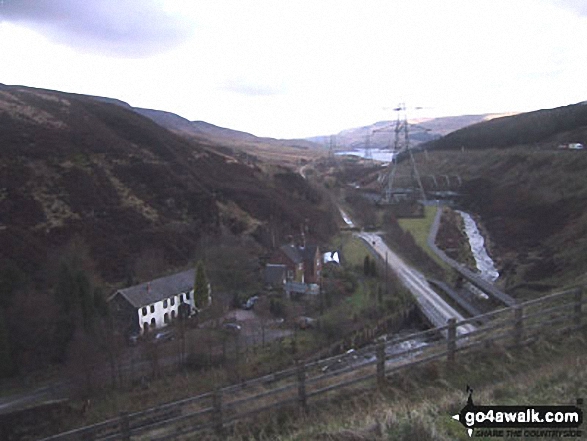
[(418, 404)]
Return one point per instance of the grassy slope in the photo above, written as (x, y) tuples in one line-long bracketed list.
[(530, 195), (417, 405), (533, 204), (72, 165), (420, 229), (548, 126)]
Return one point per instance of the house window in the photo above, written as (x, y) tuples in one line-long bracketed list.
[(165, 303), (144, 310), (166, 318), (145, 327), (152, 309), (181, 298), (172, 301), (187, 295), (153, 323), (172, 315)]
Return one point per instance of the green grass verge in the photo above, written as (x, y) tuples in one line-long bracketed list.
[(353, 250), (420, 229)]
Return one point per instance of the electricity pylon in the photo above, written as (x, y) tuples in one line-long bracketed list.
[(401, 147), (368, 152)]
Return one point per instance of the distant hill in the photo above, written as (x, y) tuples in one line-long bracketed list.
[(236, 143), (547, 127), (179, 124), (73, 165), (233, 143), (382, 133)]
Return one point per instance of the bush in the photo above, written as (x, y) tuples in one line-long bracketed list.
[(277, 307), (201, 360)]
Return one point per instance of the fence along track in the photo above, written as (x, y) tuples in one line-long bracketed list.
[(513, 325)]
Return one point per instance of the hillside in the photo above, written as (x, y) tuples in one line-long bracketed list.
[(71, 165), (530, 196), (177, 123), (236, 143), (548, 127)]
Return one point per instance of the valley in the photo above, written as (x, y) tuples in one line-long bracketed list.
[(96, 196)]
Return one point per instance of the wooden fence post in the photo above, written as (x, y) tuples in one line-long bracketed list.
[(451, 340), (518, 329), (302, 386), (578, 306), (217, 411), (380, 352), (124, 426)]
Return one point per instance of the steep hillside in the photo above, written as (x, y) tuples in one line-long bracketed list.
[(73, 165), (530, 195), (548, 127)]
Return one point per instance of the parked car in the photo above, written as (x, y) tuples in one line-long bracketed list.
[(250, 303), (305, 322), (232, 327), (165, 335)]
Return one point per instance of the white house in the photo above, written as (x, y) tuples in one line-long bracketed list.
[(154, 304)]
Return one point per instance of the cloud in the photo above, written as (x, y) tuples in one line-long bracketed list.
[(129, 28)]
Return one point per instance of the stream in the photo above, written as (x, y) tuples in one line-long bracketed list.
[(484, 263)]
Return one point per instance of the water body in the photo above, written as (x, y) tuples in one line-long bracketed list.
[(484, 263), (379, 155), (391, 350)]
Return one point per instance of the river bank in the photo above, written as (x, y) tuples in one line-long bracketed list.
[(462, 239)]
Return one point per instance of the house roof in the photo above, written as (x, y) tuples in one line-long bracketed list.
[(292, 252), (300, 254), (309, 252), (158, 289), (275, 274)]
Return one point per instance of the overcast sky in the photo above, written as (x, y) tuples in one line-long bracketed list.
[(301, 68)]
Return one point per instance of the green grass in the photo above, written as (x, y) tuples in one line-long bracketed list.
[(363, 296), (532, 202), (420, 229), (353, 250), (418, 403)]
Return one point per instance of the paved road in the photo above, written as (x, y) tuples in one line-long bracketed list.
[(346, 218), (432, 305)]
